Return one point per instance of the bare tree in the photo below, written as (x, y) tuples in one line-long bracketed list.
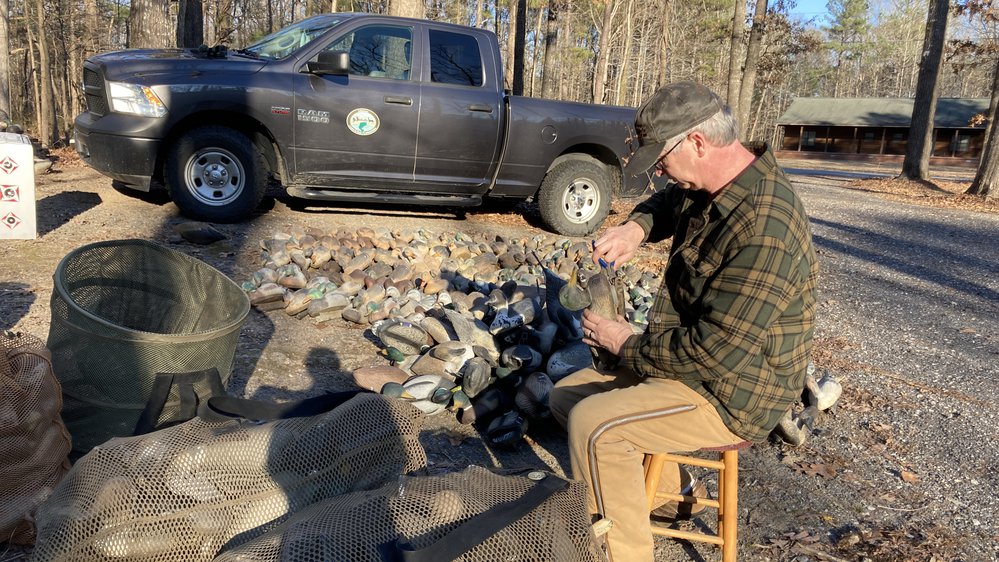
[(919, 147), (150, 25), (736, 39), (603, 51), (988, 168), (407, 8), (519, 45), (190, 23), (5, 58), (48, 130), (549, 85), (748, 84)]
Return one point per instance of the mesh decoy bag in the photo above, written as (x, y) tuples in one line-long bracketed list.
[(33, 441), (127, 311), (434, 519), (182, 493)]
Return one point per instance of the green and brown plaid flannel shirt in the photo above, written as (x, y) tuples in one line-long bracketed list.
[(735, 313)]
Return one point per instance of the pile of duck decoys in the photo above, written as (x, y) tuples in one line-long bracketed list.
[(478, 325), (481, 326)]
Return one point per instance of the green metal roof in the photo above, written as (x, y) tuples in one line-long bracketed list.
[(879, 112)]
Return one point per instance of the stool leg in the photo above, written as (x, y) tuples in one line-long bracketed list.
[(728, 515), (653, 471)]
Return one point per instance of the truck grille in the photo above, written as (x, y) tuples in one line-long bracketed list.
[(93, 87)]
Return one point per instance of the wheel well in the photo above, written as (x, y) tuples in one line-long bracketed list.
[(601, 154), (253, 129)]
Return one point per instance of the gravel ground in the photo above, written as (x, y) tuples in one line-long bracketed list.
[(903, 468)]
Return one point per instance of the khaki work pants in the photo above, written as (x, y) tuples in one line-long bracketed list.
[(626, 417)]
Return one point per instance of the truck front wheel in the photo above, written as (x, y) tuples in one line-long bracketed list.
[(215, 174), (575, 196)]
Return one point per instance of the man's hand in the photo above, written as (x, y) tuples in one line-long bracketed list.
[(608, 334), (619, 243)]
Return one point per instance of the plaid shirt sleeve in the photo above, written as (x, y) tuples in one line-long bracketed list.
[(657, 214), (750, 291)]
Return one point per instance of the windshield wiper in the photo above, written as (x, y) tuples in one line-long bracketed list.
[(247, 53)]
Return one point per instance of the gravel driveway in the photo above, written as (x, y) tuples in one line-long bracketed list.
[(903, 468)]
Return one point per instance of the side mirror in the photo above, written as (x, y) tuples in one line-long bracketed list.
[(330, 62)]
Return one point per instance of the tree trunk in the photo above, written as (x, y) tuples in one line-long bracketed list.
[(92, 29), (549, 85), (478, 20), (736, 37), (920, 145), (603, 51), (625, 55), (511, 42), (993, 103), (150, 25), (5, 59), (988, 167), (748, 84), (667, 22), (407, 9), (48, 131), (519, 46), (536, 51), (190, 23)]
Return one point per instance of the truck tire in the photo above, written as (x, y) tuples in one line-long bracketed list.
[(215, 174), (575, 196)]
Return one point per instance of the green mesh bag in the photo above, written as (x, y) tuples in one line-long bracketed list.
[(126, 311)]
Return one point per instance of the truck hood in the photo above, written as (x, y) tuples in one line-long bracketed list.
[(141, 64)]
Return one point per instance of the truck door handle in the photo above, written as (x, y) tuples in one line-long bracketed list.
[(399, 100), (481, 107)]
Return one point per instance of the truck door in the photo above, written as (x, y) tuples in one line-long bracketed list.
[(460, 116), (360, 129)]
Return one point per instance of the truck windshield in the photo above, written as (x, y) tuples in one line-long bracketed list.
[(284, 42)]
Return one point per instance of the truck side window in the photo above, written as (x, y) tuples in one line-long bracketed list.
[(455, 59), (379, 51)]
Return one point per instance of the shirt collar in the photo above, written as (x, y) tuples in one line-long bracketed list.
[(741, 187)]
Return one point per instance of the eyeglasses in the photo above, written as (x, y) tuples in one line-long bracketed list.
[(663, 157)]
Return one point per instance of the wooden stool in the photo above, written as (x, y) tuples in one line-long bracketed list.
[(727, 503)]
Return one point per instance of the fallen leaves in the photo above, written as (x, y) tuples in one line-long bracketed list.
[(808, 468), (939, 193)]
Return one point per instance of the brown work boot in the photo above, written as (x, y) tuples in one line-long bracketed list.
[(682, 511)]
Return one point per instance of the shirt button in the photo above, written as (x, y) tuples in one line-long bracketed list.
[(657, 319)]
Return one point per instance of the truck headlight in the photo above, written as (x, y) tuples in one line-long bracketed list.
[(135, 99)]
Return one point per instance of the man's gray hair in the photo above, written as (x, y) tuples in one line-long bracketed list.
[(721, 129)]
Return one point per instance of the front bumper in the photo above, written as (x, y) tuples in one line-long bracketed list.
[(130, 160)]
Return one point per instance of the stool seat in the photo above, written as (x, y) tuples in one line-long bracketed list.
[(727, 466)]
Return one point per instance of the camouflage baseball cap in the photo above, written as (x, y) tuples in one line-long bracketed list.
[(670, 111)]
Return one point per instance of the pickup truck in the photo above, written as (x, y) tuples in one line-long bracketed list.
[(350, 107)]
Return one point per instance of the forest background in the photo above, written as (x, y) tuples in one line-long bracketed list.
[(758, 54)]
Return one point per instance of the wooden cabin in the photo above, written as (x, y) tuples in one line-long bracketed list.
[(877, 129)]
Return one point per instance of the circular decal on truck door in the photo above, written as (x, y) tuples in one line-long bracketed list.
[(362, 121)]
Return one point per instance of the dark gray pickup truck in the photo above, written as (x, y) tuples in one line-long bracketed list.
[(349, 107)]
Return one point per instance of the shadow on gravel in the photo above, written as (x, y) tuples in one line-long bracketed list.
[(16, 299), (72, 204), (920, 259)]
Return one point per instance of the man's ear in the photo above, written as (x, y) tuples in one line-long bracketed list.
[(699, 141)]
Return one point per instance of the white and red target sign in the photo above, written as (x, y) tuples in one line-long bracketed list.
[(8, 165), (18, 219), (11, 221), (10, 194)]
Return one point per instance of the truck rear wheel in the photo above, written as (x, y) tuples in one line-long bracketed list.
[(575, 196), (215, 174)]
